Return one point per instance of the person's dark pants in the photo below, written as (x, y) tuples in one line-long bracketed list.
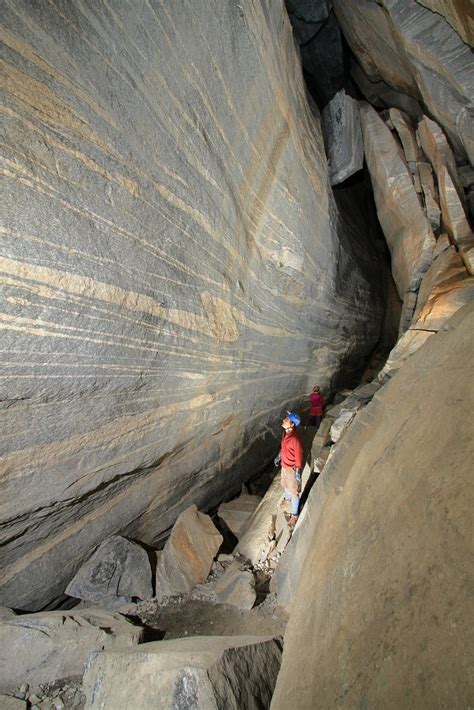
[(314, 420)]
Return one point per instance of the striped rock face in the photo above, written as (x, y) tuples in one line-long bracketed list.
[(176, 273)]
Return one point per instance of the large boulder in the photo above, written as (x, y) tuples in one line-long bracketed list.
[(186, 559), (383, 607), (173, 254), (117, 571), (203, 673), (53, 645)]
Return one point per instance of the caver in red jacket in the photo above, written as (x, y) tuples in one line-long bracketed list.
[(316, 404), (291, 450)]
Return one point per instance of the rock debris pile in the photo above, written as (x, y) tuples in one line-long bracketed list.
[(129, 597)]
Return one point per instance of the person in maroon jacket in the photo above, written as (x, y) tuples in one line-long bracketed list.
[(316, 407), (291, 458)]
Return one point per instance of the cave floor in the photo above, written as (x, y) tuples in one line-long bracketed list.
[(199, 614)]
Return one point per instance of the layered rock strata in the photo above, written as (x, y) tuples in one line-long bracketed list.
[(417, 50), (173, 265), (407, 231)]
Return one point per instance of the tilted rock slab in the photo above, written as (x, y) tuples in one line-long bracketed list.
[(406, 132), (459, 14), (203, 673), (235, 513), (52, 645), (385, 596), (418, 52), (452, 200), (175, 270), (446, 287), (186, 559), (407, 231), (342, 137), (430, 195), (260, 527), (117, 571)]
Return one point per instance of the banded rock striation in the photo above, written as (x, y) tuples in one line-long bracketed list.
[(175, 269), (418, 49)]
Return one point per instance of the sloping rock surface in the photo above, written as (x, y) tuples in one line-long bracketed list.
[(119, 568), (205, 673), (50, 646), (384, 599), (172, 254)]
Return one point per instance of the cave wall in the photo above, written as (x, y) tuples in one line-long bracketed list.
[(175, 270)]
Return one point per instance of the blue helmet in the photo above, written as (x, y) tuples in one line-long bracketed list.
[(294, 418)]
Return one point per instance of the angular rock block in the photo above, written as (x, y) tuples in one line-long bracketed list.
[(341, 424), (407, 231), (187, 556), (260, 526), (235, 513), (52, 645), (236, 587), (202, 673), (117, 571), (342, 137)]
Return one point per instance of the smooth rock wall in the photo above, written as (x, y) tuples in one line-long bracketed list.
[(174, 276)]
